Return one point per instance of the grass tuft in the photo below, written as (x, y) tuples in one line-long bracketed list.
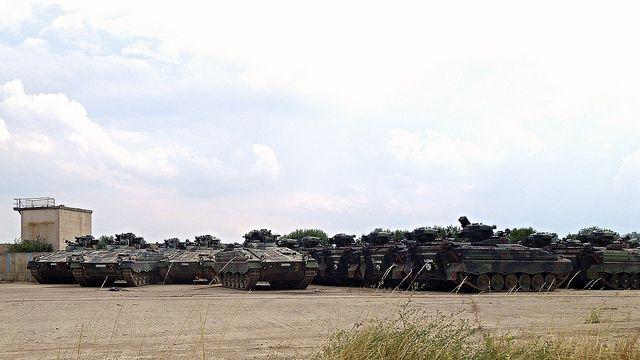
[(448, 337), (594, 317)]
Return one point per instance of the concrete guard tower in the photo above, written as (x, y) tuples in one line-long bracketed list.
[(42, 218)]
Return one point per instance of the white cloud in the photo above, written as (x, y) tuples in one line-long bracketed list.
[(67, 121), (33, 142), (266, 161), (629, 171), (431, 148), (377, 62), (12, 13), (4, 132)]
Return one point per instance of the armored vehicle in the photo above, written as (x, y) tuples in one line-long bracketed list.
[(488, 262), (612, 265), (385, 259), (189, 262), (313, 247), (125, 259), (539, 240), (422, 263), (261, 260), (54, 267), (342, 262)]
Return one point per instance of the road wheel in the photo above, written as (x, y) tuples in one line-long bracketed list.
[(635, 281), (511, 282), (524, 281), (482, 282), (625, 281), (497, 282), (551, 281), (614, 280), (537, 281)]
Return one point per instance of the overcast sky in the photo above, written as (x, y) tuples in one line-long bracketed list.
[(203, 117)]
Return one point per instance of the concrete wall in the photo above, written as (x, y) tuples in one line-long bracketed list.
[(42, 223), (55, 224), (73, 223), (13, 266)]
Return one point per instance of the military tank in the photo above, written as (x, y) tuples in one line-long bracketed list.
[(485, 261), (611, 264), (423, 265), (54, 268), (188, 262), (125, 259), (385, 259), (261, 260)]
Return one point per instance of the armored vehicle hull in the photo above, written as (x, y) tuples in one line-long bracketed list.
[(282, 268), (346, 266), (186, 266), (53, 268), (502, 267), (601, 268), (135, 267), (385, 265)]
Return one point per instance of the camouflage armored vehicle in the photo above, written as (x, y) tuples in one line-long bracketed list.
[(422, 263), (611, 265), (385, 259), (126, 259), (488, 262), (261, 260), (345, 261), (313, 247), (482, 260), (187, 262), (539, 240), (54, 267)]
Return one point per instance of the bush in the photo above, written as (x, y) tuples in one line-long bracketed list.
[(518, 234), (103, 241), (446, 232), (447, 337), (27, 246), (300, 233)]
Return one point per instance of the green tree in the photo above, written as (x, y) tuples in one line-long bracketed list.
[(518, 234), (27, 246), (446, 232), (398, 235), (300, 233), (104, 240), (632, 235), (587, 230)]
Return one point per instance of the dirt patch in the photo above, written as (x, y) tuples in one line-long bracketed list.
[(189, 321)]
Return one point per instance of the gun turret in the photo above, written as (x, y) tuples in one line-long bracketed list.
[(342, 240)]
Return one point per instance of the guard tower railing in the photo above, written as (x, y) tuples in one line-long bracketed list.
[(26, 203)]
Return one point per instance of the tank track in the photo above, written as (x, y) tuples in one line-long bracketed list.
[(36, 275), (78, 274), (246, 281), (494, 282), (135, 279), (621, 281), (309, 275)]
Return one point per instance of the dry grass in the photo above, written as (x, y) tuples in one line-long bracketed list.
[(415, 336)]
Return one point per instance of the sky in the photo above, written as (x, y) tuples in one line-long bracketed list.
[(187, 118)]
